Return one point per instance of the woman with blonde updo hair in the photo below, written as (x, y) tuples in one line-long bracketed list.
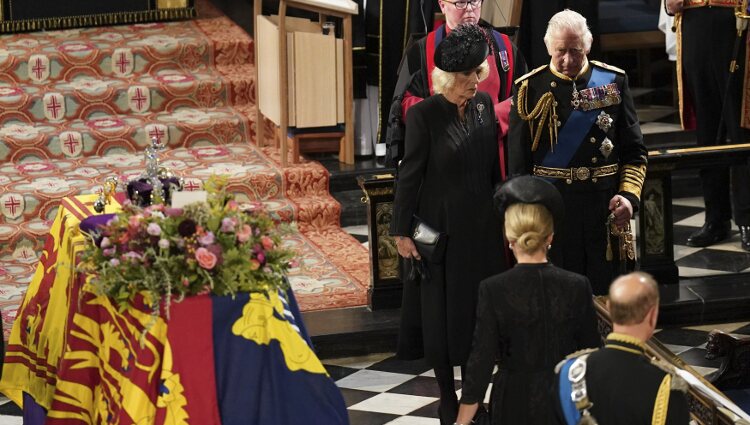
[(530, 317), (528, 227)]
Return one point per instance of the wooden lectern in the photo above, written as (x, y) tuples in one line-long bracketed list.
[(343, 9)]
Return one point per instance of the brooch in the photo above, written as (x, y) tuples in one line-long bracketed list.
[(480, 109)]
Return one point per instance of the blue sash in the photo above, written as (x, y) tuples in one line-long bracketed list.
[(570, 137), (569, 411)]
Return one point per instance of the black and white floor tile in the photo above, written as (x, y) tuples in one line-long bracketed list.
[(379, 389), (725, 257)]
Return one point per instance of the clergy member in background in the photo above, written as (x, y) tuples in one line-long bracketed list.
[(415, 74)]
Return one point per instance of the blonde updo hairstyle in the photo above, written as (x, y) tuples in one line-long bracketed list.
[(443, 81), (528, 226)]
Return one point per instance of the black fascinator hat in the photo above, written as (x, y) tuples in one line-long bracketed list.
[(464, 49), (531, 190)]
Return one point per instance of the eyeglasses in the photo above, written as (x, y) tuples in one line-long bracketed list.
[(461, 4)]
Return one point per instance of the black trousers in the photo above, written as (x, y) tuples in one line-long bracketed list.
[(708, 37)]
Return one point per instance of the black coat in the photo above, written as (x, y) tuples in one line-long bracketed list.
[(581, 239), (529, 318), (447, 178)]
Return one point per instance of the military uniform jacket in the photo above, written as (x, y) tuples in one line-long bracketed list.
[(626, 388), (590, 153), (626, 151)]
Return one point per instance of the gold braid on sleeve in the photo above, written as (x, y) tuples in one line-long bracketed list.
[(538, 116), (631, 179)]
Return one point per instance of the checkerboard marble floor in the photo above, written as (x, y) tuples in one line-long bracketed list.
[(380, 389)]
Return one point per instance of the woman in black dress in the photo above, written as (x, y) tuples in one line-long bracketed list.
[(529, 317), (447, 179)]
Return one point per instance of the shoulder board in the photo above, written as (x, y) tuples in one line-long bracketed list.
[(579, 353), (529, 74), (609, 67), (574, 355)]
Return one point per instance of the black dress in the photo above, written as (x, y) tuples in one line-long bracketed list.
[(447, 178), (529, 318)]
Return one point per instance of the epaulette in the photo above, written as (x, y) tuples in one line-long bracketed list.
[(678, 383), (609, 67), (574, 355), (529, 74)]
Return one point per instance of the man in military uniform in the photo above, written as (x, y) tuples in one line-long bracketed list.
[(619, 384), (710, 101), (573, 122)]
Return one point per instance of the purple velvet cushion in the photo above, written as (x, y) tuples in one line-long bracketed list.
[(89, 225), (143, 189)]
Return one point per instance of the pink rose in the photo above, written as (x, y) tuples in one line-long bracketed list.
[(205, 258), (232, 206), (266, 242), (135, 220), (243, 235)]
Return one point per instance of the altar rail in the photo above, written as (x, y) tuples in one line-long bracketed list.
[(654, 231), (655, 234)]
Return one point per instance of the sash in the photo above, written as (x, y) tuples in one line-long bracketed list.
[(570, 412), (504, 52), (433, 39), (579, 123)]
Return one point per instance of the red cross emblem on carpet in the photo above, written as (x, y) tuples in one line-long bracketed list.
[(71, 143), (122, 62), (38, 68), (139, 99), (12, 205), (54, 106), (191, 185), (160, 132)]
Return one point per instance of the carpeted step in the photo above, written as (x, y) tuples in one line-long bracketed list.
[(31, 191), (185, 127), (44, 58), (86, 98)]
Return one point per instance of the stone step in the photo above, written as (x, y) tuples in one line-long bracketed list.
[(185, 127), (43, 58), (86, 98)]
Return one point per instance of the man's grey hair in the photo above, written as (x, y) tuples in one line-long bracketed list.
[(572, 21)]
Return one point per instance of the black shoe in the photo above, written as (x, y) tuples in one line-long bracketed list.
[(709, 234), (745, 237)]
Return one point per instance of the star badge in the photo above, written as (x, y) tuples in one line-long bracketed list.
[(604, 121)]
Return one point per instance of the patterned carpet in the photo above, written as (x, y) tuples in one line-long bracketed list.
[(81, 105)]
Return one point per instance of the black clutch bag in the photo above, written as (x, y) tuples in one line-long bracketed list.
[(430, 243)]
